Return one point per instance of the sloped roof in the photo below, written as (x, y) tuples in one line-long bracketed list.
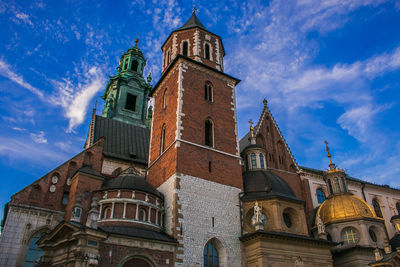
[(131, 182), (192, 22), (123, 140), (138, 232)]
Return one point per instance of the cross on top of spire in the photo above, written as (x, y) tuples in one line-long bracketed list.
[(194, 9)]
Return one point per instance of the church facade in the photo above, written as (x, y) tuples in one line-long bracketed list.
[(172, 184)]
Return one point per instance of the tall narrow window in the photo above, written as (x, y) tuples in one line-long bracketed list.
[(344, 184), (262, 161), (398, 207), (211, 258), (165, 99), (253, 161), (162, 138), (330, 186), (134, 65), (209, 166), (320, 195), (185, 48), (208, 91), (167, 58), (65, 197), (209, 133), (34, 252), (337, 186), (130, 103), (377, 208), (207, 51)]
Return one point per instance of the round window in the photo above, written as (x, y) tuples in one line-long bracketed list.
[(372, 235), (350, 236), (287, 219)]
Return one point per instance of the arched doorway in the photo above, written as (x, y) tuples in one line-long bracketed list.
[(137, 261)]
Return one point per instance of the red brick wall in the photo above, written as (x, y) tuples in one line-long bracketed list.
[(38, 194), (121, 252), (189, 36)]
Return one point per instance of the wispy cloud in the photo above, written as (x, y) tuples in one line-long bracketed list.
[(19, 129), (75, 97), (7, 71), (23, 17), (38, 138)]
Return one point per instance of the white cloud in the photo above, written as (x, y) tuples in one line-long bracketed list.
[(24, 17), (66, 146), (75, 97), (19, 129), (38, 138), (6, 71)]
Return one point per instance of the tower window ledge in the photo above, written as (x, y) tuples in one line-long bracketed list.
[(132, 201), (130, 220)]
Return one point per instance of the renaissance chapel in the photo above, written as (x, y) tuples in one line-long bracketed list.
[(172, 184)]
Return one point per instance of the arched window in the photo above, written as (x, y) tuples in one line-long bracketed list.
[(398, 207), (162, 145), (185, 48), (207, 51), (377, 208), (344, 184), (350, 236), (208, 91), (262, 161), (209, 133), (165, 99), (34, 253), (320, 195), (372, 234), (137, 261), (330, 186), (211, 258), (337, 186), (134, 65), (253, 161)]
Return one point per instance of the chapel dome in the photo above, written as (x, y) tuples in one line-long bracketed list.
[(344, 207), (130, 180), (262, 183)]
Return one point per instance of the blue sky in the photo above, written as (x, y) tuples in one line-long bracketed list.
[(330, 70)]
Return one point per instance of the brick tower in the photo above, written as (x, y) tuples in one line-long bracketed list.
[(194, 154)]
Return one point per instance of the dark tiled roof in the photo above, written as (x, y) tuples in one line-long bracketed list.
[(262, 183), (244, 142), (394, 242), (123, 140), (131, 182), (192, 22), (88, 170), (138, 232)]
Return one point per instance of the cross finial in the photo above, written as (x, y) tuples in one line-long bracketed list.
[(329, 154), (137, 40), (194, 9)]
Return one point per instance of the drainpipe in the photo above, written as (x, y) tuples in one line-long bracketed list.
[(362, 191)]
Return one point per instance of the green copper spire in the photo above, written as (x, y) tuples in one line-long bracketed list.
[(126, 94)]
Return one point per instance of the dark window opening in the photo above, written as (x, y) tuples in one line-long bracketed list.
[(262, 161), (181, 229), (344, 185), (130, 103), (377, 208), (208, 92), (320, 195), (65, 198), (212, 221), (208, 133), (134, 65), (125, 64), (162, 145), (372, 235), (185, 48), (207, 51), (167, 58), (287, 219), (330, 186), (209, 166), (85, 195)]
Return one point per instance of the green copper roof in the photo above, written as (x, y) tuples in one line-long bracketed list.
[(192, 22)]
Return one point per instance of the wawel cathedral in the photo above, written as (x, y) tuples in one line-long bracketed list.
[(172, 185)]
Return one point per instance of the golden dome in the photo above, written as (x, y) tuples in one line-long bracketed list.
[(344, 207)]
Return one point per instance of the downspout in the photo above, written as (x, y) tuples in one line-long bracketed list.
[(362, 191)]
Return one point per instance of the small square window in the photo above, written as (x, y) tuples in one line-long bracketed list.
[(130, 103)]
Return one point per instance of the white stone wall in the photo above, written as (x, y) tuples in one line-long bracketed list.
[(386, 197), (17, 232), (200, 201), (110, 165)]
